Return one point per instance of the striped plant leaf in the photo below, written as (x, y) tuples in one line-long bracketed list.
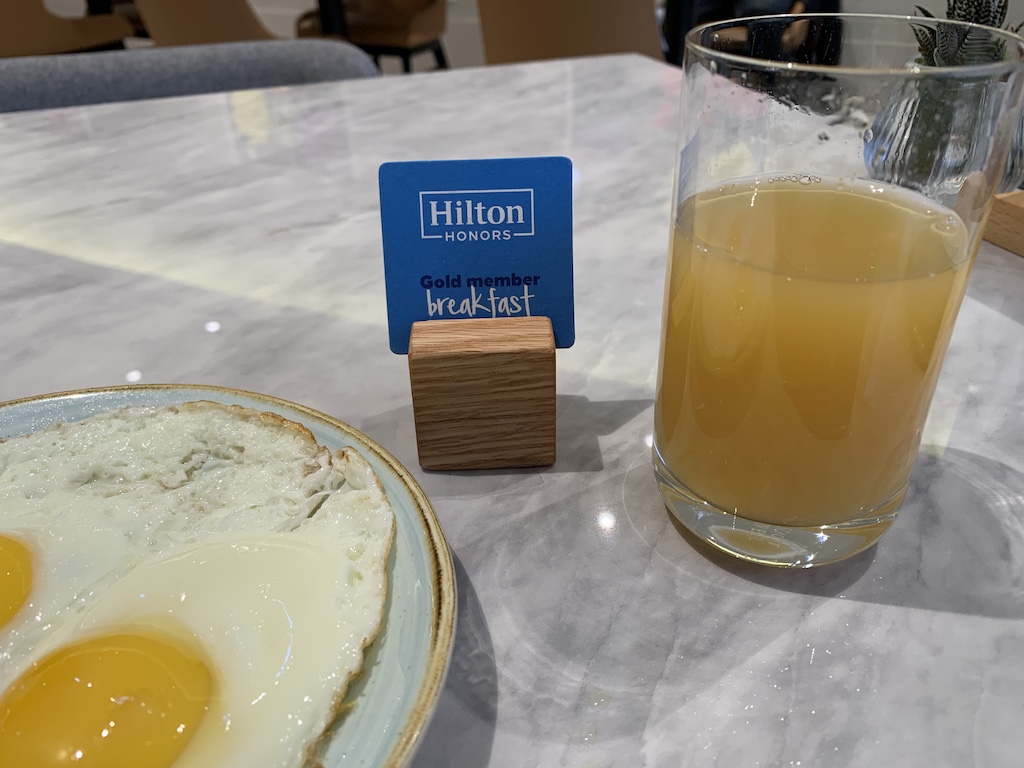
[(946, 45), (991, 13), (949, 40), (999, 14), (925, 43), (979, 48)]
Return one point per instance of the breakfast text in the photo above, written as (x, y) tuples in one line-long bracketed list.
[(447, 296)]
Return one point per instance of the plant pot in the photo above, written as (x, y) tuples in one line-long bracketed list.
[(922, 139)]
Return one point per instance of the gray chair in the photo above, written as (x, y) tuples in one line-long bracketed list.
[(45, 82)]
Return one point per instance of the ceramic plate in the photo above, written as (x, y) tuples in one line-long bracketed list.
[(405, 666)]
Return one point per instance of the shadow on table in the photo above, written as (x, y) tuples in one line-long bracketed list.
[(580, 422), (579, 425), (462, 730), (994, 287), (957, 546)]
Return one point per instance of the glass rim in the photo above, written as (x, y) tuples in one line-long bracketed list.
[(1006, 66)]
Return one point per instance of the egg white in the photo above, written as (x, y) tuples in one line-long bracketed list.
[(76, 551), (282, 619)]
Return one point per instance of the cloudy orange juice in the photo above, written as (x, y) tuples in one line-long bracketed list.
[(805, 324)]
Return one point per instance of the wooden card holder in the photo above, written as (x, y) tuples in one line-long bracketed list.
[(483, 392), (1005, 226)]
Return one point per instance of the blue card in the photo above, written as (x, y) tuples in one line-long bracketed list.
[(470, 239)]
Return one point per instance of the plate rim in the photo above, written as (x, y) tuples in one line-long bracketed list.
[(444, 587)]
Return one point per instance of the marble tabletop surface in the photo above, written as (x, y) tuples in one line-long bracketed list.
[(234, 239)]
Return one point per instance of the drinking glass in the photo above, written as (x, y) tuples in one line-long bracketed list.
[(835, 174)]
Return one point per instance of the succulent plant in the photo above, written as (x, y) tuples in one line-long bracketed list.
[(947, 45), (920, 138)]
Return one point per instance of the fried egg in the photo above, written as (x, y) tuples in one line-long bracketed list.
[(225, 637), (56, 551)]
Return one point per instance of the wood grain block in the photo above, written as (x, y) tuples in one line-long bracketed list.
[(1005, 226), (483, 392)]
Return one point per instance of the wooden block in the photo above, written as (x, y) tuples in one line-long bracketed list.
[(1005, 226), (483, 392)]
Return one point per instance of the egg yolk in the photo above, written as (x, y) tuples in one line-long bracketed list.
[(127, 700), (15, 577)]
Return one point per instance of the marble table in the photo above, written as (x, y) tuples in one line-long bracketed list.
[(234, 239)]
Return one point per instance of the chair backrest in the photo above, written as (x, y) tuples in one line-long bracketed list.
[(201, 22), (27, 28), (402, 7), (44, 82), (395, 22), (529, 30)]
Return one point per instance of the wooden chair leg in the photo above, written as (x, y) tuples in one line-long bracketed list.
[(407, 62), (442, 61)]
